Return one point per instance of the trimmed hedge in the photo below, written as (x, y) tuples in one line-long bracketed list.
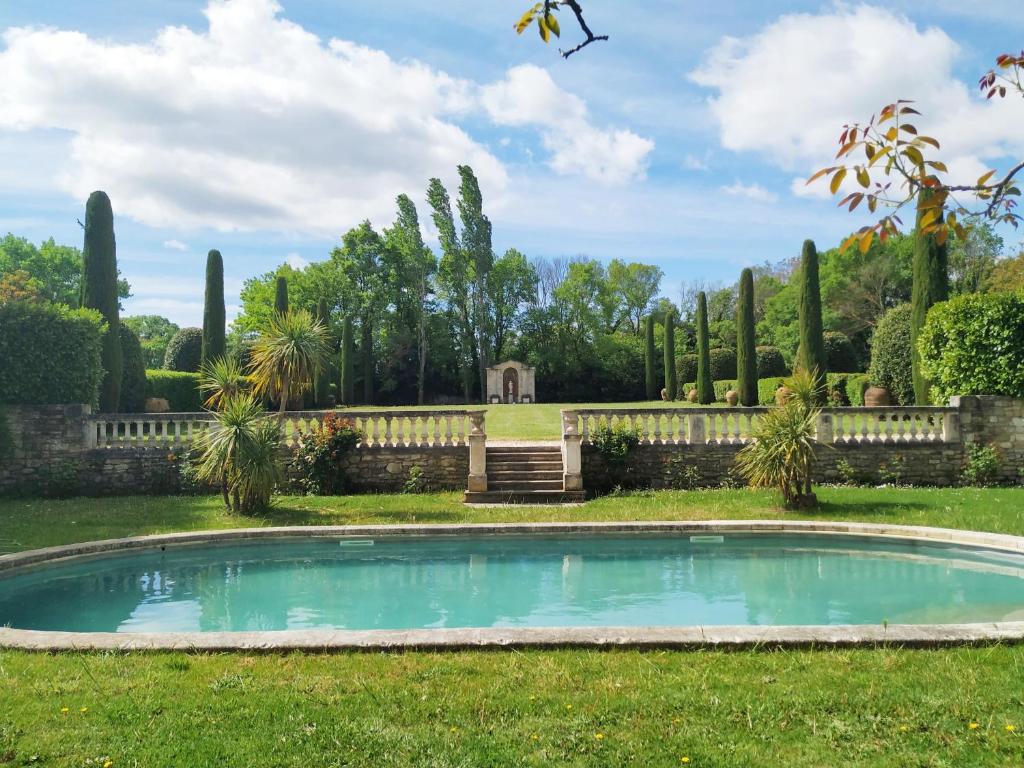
[(686, 370), (50, 354), (133, 372), (766, 389), (185, 351), (846, 389), (974, 345), (723, 364), (891, 366), (771, 363), (721, 387), (840, 354), (179, 388)]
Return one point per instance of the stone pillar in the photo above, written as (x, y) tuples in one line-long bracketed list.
[(572, 462), (477, 453), (695, 427), (824, 432)]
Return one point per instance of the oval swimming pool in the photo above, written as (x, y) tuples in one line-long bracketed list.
[(663, 578)]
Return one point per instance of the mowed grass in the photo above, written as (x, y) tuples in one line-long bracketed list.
[(866, 707)]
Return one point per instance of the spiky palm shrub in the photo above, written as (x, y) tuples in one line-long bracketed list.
[(782, 452), (811, 354), (220, 379), (347, 383), (239, 452), (930, 286), (281, 295), (214, 343), (650, 382), (671, 380), (287, 357), (705, 383), (99, 291), (746, 343)]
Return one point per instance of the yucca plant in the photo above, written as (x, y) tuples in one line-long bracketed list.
[(239, 452), (782, 453), (287, 356), (220, 379)]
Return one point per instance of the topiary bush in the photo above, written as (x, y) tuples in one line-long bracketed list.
[(179, 388), (133, 372), (974, 345), (686, 368), (185, 351), (766, 389), (891, 366), (722, 386), (856, 385), (50, 354), (770, 362), (723, 364), (840, 354)]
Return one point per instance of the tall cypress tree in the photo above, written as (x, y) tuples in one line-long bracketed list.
[(705, 385), (281, 295), (99, 291), (746, 343), (347, 383), (931, 285), (366, 352), (810, 356), (650, 381), (322, 384), (671, 377), (214, 344)]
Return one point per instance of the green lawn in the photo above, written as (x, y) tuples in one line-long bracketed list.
[(880, 707)]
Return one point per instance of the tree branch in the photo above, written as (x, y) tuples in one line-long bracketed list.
[(591, 37)]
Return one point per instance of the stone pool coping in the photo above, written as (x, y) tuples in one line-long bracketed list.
[(911, 635)]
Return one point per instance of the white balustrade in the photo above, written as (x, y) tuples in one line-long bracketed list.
[(144, 430)]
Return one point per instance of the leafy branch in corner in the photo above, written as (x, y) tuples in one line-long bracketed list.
[(545, 14)]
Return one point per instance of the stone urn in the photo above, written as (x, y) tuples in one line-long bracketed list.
[(664, 394), (157, 405), (877, 397), (692, 395), (732, 397), (782, 395)]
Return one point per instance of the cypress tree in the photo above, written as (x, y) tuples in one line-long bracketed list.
[(347, 384), (705, 385), (366, 349), (214, 344), (651, 383), (322, 384), (671, 380), (746, 343), (931, 285), (281, 295), (810, 356), (99, 291)]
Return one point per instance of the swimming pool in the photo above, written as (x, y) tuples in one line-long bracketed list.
[(511, 578)]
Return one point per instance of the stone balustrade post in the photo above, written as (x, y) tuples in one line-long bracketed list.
[(825, 428), (572, 460), (696, 429), (477, 453), (951, 428)]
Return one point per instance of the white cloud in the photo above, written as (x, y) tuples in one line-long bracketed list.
[(295, 261), (527, 96), (841, 67), (695, 163), (754, 192), (175, 245)]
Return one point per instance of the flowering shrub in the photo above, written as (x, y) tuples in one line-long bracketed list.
[(319, 453)]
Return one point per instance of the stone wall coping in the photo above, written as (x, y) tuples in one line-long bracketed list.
[(924, 635)]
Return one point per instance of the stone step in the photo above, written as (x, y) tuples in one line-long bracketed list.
[(524, 466), (524, 485), (553, 448), (524, 497), (502, 475), (553, 456)]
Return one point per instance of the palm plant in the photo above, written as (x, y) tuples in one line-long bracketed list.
[(288, 355), (782, 453), (240, 453), (220, 379)]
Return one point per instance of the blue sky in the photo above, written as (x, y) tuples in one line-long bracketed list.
[(267, 129)]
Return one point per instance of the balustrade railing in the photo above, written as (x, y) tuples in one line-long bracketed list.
[(144, 430)]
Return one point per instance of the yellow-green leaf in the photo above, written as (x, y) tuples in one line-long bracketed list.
[(866, 240), (525, 21), (985, 178), (862, 178), (552, 24), (837, 180), (542, 27)]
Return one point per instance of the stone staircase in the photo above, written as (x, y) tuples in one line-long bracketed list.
[(524, 474)]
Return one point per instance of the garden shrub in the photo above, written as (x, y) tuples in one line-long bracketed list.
[(982, 466), (766, 389), (185, 351), (50, 354), (845, 389), (839, 353), (891, 365), (133, 372), (320, 453), (974, 345), (686, 368), (721, 387), (770, 362), (178, 388), (613, 445), (723, 364), (856, 385)]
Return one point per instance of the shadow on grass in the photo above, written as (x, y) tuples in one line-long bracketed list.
[(868, 508)]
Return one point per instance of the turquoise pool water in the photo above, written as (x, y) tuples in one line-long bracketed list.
[(518, 581)]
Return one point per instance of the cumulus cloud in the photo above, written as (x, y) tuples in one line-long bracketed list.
[(254, 123), (754, 192), (175, 245), (841, 67), (295, 261), (528, 96)]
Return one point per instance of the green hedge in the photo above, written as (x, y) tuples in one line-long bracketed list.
[(185, 351), (50, 354), (133, 372), (686, 370), (721, 387), (178, 388), (846, 389), (766, 389), (891, 367), (770, 362), (974, 345), (723, 364), (839, 352)]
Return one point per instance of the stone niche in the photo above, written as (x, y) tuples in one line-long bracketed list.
[(511, 382)]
